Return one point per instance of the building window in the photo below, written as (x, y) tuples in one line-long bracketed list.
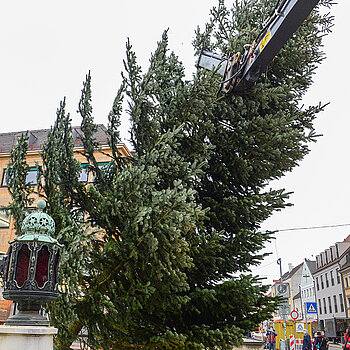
[(332, 278), (341, 303), (84, 175), (348, 302), (326, 277), (338, 276), (346, 281), (322, 285), (31, 178), (335, 303), (317, 285), (320, 306), (324, 305), (332, 254), (3, 181), (326, 257), (4, 219), (347, 257), (321, 259), (330, 305)]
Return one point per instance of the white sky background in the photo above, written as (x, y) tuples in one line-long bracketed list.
[(48, 47), (321, 183)]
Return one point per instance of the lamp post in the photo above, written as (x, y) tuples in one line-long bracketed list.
[(31, 268)]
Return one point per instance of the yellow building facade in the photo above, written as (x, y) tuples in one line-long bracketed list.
[(37, 139), (345, 274)]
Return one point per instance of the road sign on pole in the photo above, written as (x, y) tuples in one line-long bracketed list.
[(299, 327), (311, 308), (282, 290), (284, 309), (294, 314)]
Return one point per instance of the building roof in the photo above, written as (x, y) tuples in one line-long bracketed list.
[(344, 266), (297, 296), (289, 274), (335, 260), (311, 264), (347, 262), (37, 138)]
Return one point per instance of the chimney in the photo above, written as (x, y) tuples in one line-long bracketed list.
[(290, 267)]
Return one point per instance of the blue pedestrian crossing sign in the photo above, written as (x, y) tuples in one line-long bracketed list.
[(311, 308)]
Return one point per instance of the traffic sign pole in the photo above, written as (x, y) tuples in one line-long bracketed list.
[(294, 315), (307, 328), (295, 337)]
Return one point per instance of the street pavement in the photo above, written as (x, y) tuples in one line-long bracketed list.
[(335, 346)]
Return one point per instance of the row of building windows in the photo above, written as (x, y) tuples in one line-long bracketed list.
[(31, 179), (332, 307), (32, 175), (327, 256), (328, 280), (307, 292)]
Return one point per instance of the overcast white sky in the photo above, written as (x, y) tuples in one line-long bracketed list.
[(321, 184), (47, 47)]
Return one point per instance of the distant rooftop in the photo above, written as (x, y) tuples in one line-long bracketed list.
[(289, 274), (311, 264), (37, 138)]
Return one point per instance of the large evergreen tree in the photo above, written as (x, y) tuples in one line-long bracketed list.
[(179, 223)]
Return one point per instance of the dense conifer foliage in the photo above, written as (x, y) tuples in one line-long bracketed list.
[(173, 232)]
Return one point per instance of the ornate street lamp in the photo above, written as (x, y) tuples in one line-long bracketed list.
[(30, 269)]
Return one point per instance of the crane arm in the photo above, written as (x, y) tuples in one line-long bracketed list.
[(241, 72)]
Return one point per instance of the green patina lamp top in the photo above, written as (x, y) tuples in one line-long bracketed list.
[(38, 226)]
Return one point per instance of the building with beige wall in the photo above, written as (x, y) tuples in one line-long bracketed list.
[(292, 278), (36, 141), (344, 271)]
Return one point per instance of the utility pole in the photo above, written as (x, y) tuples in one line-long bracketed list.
[(307, 328), (301, 301), (279, 262), (303, 305)]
